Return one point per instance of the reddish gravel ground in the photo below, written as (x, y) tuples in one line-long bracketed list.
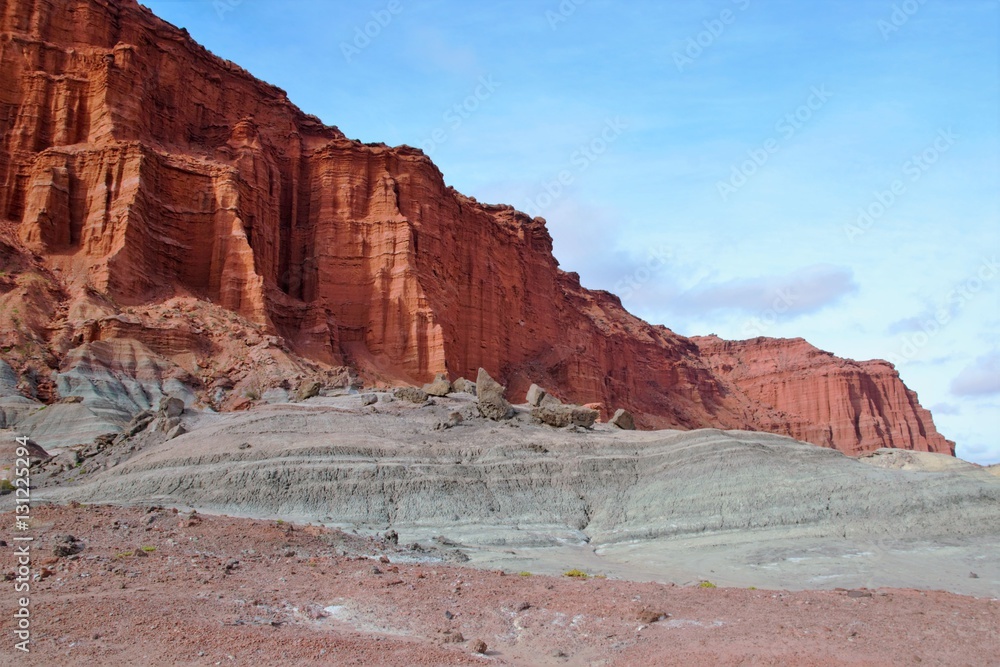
[(156, 587)]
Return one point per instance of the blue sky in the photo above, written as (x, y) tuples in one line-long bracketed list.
[(825, 169)]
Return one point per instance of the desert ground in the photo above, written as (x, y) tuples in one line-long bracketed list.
[(155, 586), (363, 529)]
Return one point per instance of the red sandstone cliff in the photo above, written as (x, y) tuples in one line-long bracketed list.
[(138, 167), (832, 402)]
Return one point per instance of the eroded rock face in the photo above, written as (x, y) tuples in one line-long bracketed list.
[(141, 168), (829, 401)]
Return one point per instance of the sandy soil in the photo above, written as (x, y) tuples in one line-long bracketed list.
[(159, 587)]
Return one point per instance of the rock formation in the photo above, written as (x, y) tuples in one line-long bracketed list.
[(828, 401), (623, 419), (156, 194), (490, 397)]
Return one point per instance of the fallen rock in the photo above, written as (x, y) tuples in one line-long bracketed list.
[(67, 457), (454, 419), (452, 637), (171, 406), (535, 395), (650, 616), (411, 394), (176, 431), (565, 415), (623, 419), (66, 545), (439, 387), (492, 403), (463, 385), (549, 401), (308, 390), (368, 399), (478, 646)]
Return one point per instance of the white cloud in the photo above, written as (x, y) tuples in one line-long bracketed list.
[(979, 378), (797, 293)]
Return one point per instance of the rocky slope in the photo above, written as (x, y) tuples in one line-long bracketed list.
[(154, 192)]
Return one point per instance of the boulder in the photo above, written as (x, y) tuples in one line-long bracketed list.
[(454, 419), (492, 403), (535, 395), (550, 401), (565, 415), (171, 406), (368, 399), (463, 385), (67, 458), (411, 394), (623, 419), (439, 387), (308, 390)]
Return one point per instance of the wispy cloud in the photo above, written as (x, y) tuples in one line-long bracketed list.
[(800, 292), (979, 378)]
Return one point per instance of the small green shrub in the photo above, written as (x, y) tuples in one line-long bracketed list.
[(149, 549), (6, 487), (525, 574), (707, 584), (577, 574)]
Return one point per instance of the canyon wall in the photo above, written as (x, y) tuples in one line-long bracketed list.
[(137, 167)]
